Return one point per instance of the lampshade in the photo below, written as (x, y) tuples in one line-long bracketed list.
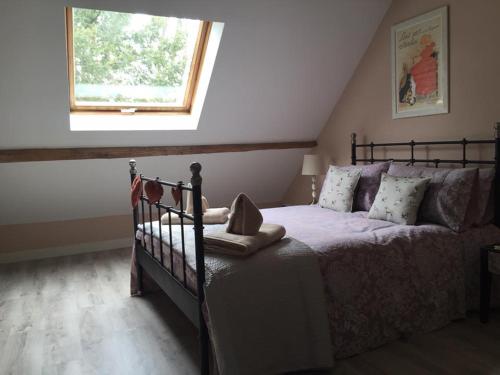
[(312, 165)]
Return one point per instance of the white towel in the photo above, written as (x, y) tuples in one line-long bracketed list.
[(240, 245), (210, 216), (189, 202)]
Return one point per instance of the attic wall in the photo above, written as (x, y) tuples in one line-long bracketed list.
[(272, 81), (365, 105), (269, 82)]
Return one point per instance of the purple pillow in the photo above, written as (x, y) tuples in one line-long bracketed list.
[(480, 210), (447, 198), (368, 184)]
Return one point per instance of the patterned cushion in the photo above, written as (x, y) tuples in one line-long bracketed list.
[(338, 189), (398, 199), (448, 195), (368, 184)]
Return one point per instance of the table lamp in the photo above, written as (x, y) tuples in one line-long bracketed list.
[(312, 166)]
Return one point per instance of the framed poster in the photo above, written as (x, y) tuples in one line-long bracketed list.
[(420, 65)]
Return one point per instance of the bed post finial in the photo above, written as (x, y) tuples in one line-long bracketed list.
[(195, 170), (133, 169), (353, 148)]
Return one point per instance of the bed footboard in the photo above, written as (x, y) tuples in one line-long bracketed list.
[(173, 285)]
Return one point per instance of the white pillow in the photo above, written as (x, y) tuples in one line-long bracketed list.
[(338, 189), (398, 199)]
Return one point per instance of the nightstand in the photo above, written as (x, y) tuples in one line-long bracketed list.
[(490, 264)]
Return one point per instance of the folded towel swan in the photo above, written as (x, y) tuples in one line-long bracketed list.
[(246, 218), (245, 233)]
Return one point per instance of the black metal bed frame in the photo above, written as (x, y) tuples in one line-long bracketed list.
[(176, 287), (464, 162)]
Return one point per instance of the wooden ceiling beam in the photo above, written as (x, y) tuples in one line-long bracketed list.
[(81, 153)]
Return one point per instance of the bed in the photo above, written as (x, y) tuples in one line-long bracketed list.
[(381, 280)]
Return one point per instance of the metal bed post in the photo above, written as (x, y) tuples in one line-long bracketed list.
[(497, 175), (200, 263), (353, 148), (135, 216), (464, 152)]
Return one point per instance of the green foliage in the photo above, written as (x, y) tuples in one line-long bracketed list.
[(108, 51)]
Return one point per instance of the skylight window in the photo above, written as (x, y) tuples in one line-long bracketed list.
[(127, 63)]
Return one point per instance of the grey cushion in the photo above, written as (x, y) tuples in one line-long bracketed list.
[(368, 184), (338, 189), (398, 199), (448, 195)]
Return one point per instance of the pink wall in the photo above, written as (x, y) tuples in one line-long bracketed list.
[(365, 105)]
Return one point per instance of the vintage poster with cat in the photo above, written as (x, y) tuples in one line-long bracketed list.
[(420, 65)]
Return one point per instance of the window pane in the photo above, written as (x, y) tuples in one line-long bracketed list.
[(123, 59)]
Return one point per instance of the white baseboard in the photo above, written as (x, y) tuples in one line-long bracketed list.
[(49, 252)]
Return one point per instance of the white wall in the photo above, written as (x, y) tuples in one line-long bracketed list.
[(281, 66), (80, 188)]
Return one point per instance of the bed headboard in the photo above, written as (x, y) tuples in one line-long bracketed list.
[(464, 161)]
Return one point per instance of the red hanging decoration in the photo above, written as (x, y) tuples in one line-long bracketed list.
[(176, 194), (154, 191), (136, 191)]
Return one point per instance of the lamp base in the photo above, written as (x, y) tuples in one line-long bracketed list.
[(313, 191)]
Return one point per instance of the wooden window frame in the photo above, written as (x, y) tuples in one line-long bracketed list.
[(192, 83)]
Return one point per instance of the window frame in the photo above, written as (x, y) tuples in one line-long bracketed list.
[(191, 87)]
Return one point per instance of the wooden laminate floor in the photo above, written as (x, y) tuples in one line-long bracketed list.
[(73, 315)]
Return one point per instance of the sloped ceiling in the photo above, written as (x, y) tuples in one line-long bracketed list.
[(281, 66)]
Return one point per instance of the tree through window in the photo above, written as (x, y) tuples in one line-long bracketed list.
[(133, 62)]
